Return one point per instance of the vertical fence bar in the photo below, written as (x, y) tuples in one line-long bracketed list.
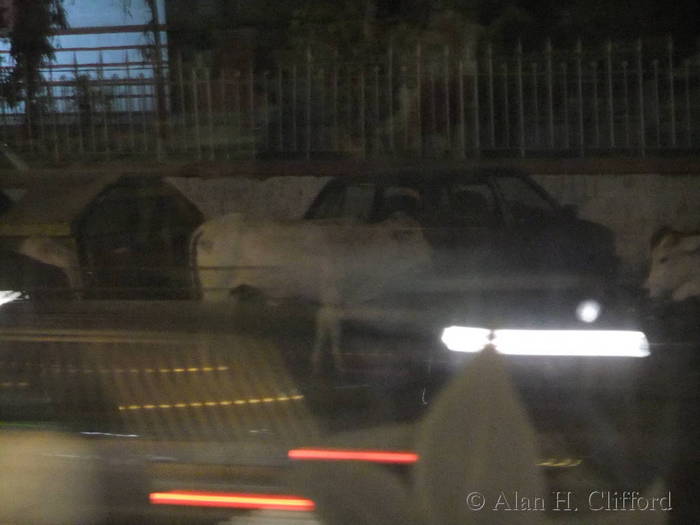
[(448, 131), (521, 104), (238, 110), (404, 107), (565, 104), (78, 106), (688, 125), (640, 86), (280, 109), (210, 114), (195, 114), (322, 133), (129, 114), (375, 130), (535, 105), (596, 119), (671, 92), (66, 113), (225, 120), (433, 108), (477, 116), (103, 99), (626, 103), (28, 114), (363, 121), (92, 115), (349, 117), (54, 117), (41, 95), (252, 120), (116, 115), (183, 108), (492, 112), (266, 109), (419, 113), (657, 103), (294, 108), (550, 94), (144, 123), (5, 125), (390, 94), (611, 107), (460, 108), (69, 111), (307, 117), (334, 88), (159, 104), (506, 106), (579, 98)]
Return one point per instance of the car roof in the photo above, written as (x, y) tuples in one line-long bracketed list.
[(50, 208), (421, 176)]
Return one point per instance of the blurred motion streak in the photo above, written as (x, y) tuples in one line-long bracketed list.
[(224, 403), (374, 456), (232, 500)]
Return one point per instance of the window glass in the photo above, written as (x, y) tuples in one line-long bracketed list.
[(358, 201), (401, 199), (523, 202), (348, 202), (470, 205)]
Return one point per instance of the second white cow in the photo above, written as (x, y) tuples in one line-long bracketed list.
[(675, 266)]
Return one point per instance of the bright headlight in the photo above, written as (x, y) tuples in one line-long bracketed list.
[(582, 343), (465, 338), (587, 343)]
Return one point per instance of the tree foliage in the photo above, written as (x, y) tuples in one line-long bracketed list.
[(35, 21)]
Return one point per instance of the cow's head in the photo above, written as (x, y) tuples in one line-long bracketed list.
[(675, 258)]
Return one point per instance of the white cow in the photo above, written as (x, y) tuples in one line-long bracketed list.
[(53, 252), (335, 263), (326, 260), (675, 266)]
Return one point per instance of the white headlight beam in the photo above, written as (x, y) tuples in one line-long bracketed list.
[(571, 343)]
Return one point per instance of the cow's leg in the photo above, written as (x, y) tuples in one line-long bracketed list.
[(319, 340), (334, 334), (327, 329)]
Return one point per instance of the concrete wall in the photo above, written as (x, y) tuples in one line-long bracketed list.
[(276, 198), (633, 206)]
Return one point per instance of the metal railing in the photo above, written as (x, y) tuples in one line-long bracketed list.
[(628, 99)]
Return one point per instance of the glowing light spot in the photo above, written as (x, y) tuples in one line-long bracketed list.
[(588, 311)]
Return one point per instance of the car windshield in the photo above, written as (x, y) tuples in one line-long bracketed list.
[(339, 262), (525, 203)]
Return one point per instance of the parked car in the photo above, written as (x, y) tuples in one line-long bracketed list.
[(113, 237), (365, 231)]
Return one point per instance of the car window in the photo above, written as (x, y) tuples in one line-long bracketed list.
[(523, 202), (353, 201), (358, 200), (406, 200), (471, 205)]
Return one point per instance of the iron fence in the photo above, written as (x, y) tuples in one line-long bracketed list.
[(614, 99)]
